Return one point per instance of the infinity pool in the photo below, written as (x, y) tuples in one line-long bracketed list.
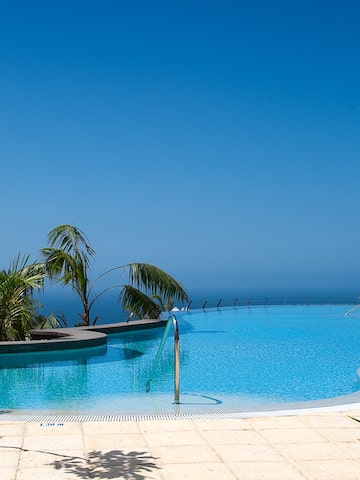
[(231, 360)]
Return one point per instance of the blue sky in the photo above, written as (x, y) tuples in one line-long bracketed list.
[(217, 140)]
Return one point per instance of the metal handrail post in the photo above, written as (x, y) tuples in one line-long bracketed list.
[(177, 360), (176, 357)]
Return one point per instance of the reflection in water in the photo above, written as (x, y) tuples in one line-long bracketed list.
[(69, 379), (25, 385), (26, 360)]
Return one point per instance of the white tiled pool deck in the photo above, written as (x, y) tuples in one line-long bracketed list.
[(316, 446)]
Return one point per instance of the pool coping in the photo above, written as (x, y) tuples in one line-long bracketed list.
[(74, 337)]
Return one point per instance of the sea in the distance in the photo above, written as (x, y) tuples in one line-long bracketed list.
[(65, 302)]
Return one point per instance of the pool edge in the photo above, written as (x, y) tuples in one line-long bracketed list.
[(303, 408)]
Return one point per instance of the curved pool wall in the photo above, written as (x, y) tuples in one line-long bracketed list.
[(160, 407), (46, 340)]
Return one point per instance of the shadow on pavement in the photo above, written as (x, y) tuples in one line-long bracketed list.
[(107, 465)]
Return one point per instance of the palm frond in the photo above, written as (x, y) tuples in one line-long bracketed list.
[(17, 308), (138, 303), (156, 282), (50, 321), (62, 265), (71, 240)]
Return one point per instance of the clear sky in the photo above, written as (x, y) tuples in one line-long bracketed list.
[(218, 140)]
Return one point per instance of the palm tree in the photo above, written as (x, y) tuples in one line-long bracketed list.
[(18, 311), (68, 259)]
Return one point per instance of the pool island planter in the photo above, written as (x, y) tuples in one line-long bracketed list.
[(74, 338)]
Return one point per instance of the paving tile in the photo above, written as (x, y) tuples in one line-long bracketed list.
[(352, 448), (114, 441), (266, 471), (98, 428), (198, 471), (330, 421), (243, 452), (53, 443), (10, 441), (223, 424), (165, 425), (141, 474), (9, 457), (276, 422), (97, 464), (313, 451), (292, 435), (185, 454), (46, 473), (354, 414), (10, 429), (8, 473), (229, 437), (53, 429), (331, 469), (36, 459), (163, 439), (341, 434)]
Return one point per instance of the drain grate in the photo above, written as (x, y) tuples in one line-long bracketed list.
[(58, 419)]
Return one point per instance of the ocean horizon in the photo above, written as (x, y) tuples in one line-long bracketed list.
[(65, 302)]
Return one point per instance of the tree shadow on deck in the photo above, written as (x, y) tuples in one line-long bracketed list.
[(107, 465)]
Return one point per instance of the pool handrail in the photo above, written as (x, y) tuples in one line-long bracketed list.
[(172, 320), (350, 311)]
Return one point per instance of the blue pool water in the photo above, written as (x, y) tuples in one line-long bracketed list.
[(231, 359)]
